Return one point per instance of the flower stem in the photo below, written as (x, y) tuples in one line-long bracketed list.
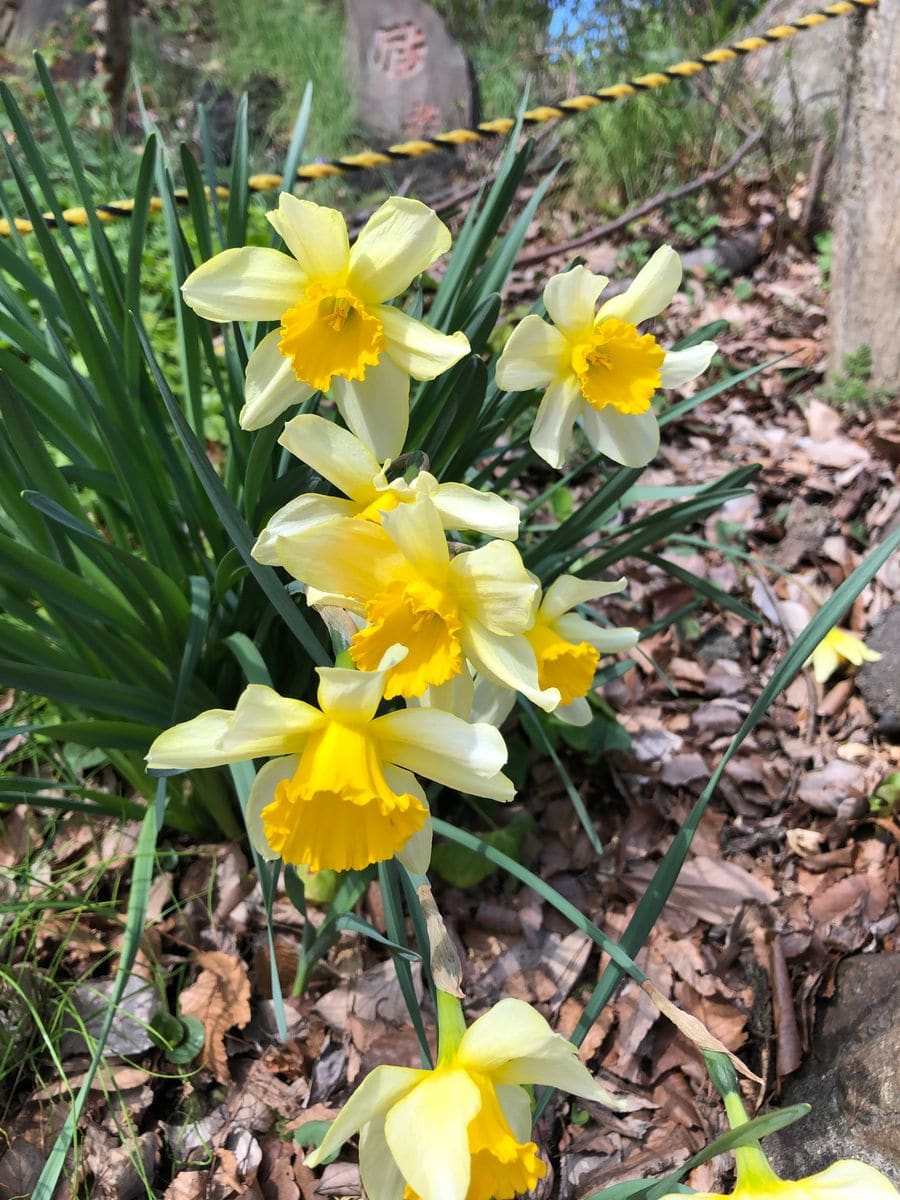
[(451, 1026)]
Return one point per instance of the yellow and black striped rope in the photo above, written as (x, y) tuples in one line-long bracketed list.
[(367, 159)]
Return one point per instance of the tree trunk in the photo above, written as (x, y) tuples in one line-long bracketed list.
[(117, 57), (865, 262)]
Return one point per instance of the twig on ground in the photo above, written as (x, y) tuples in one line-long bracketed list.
[(648, 206)]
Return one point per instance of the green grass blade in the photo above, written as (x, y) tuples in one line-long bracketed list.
[(393, 917), (538, 738), (658, 890), (718, 597), (462, 838), (231, 519)]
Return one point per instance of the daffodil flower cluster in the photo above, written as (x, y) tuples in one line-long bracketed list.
[(445, 637), (454, 633)]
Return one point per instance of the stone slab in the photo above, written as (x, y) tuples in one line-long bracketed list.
[(850, 1077), (409, 77)]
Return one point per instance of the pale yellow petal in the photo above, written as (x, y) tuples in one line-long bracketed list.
[(551, 434), (455, 696), (194, 743), (516, 1106), (380, 1175), (514, 1045), (535, 355), (316, 236), (492, 702), (847, 1179), (417, 532), (462, 507), (416, 854), (262, 793), (631, 439), (376, 408), (266, 723), (681, 366), (577, 712), (381, 1089), (567, 591), (493, 586), (335, 453), (605, 638), (271, 386), (297, 517), (509, 661), (418, 349), (398, 242), (651, 291), (347, 693), (348, 557), (434, 1118), (250, 283), (409, 733), (571, 298)]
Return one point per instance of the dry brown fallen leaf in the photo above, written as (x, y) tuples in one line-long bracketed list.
[(220, 999), (188, 1185)]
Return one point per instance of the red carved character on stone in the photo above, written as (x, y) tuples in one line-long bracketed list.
[(399, 50)]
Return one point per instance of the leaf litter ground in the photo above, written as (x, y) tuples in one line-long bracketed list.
[(791, 871)]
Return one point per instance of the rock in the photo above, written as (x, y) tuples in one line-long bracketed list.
[(409, 77), (879, 681), (718, 643), (850, 1078)]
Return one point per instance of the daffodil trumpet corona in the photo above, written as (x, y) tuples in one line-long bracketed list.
[(339, 792), (595, 365), (461, 1131), (337, 330), (350, 466), (400, 578)]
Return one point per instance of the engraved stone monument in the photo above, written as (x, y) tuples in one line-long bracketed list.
[(409, 77)]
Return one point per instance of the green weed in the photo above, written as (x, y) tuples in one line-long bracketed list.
[(851, 388)]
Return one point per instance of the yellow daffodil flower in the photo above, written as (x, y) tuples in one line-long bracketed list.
[(596, 366), (847, 1179), (340, 795), (337, 330), (568, 646), (836, 647), (463, 1130), (400, 577), (347, 463)]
